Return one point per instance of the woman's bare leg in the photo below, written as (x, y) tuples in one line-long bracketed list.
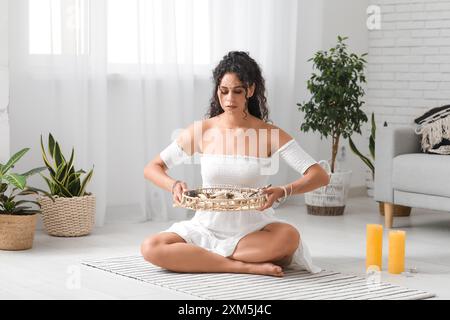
[(276, 242), (170, 251)]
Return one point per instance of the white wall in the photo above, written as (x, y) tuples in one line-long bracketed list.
[(409, 59), (319, 24), (321, 21), (4, 82), (348, 18)]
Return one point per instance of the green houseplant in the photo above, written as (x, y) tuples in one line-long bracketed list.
[(370, 162), (399, 210), (18, 214), (334, 110), (73, 212)]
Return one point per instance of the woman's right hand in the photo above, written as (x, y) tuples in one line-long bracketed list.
[(178, 190)]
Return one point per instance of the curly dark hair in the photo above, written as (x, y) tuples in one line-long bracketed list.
[(249, 73)]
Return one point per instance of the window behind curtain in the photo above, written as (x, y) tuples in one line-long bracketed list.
[(138, 31)]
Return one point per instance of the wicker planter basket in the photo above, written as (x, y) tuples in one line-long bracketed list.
[(325, 211), (17, 232), (251, 199), (68, 217), (329, 200)]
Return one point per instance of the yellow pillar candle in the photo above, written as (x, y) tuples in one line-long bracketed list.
[(374, 245), (396, 262)]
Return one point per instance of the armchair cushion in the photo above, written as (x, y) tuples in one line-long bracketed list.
[(422, 173)]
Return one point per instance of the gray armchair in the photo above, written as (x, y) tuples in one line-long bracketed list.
[(405, 176)]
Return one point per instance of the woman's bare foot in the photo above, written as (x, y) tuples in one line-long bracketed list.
[(266, 268)]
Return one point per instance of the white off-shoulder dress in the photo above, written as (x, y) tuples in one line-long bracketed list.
[(220, 231)]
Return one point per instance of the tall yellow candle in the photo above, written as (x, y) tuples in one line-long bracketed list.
[(374, 245), (396, 260)]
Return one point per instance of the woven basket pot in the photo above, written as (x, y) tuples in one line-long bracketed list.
[(329, 200), (68, 217), (17, 232)]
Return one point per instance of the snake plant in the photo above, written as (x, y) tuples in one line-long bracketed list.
[(365, 159), (64, 180), (9, 204)]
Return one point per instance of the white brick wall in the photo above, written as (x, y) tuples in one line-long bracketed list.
[(4, 82), (409, 59)]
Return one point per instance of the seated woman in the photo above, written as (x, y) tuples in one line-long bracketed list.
[(237, 146)]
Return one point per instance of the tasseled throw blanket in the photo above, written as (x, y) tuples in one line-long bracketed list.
[(434, 126)]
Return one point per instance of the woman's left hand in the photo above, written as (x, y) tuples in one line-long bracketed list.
[(272, 195)]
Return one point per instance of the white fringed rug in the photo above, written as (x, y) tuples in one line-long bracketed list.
[(295, 285)]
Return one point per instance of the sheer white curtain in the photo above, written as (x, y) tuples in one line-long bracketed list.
[(116, 78)]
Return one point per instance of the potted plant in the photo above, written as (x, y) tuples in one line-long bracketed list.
[(334, 110), (368, 160), (17, 217), (399, 210), (72, 214)]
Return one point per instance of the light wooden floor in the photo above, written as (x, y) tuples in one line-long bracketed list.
[(50, 270)]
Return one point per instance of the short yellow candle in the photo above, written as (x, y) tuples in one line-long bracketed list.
[(374, 245), (396, 262)]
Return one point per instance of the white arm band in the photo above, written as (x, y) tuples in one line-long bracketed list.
[(296, 157), (173, 155)]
